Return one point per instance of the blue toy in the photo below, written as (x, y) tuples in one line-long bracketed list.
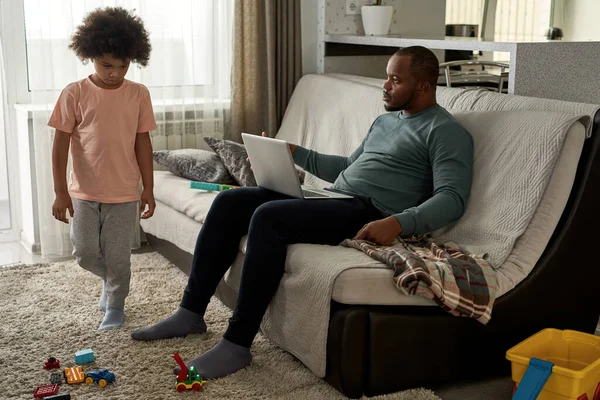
[(84, 356), (100, 376), (534, 379), (211, 187)]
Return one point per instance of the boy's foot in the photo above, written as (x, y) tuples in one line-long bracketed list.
[(102, 301), (113, 318), (182, 323), (222, 360)]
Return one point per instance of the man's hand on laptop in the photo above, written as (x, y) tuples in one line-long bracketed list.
[(264, 134), (381, 232)]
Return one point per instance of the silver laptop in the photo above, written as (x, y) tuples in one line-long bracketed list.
[(274, 169)]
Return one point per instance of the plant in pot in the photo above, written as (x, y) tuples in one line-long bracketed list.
[(377, 19)]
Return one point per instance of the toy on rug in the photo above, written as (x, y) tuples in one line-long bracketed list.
[(74, 375), (556, 364), (60, 396), (52, 363), (84, 356), (188, 378), (55, 378), (46, 390), (100, 376)]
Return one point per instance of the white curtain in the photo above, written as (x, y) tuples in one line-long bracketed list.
[(515, 19), (464, 12), (188, 77), (522, 19)]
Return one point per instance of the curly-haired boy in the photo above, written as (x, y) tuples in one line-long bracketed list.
[(105, 119)]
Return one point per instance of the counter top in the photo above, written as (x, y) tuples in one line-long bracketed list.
[(445, 42)]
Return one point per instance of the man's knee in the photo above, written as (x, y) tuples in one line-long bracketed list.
[(267, 213), (228, 199)]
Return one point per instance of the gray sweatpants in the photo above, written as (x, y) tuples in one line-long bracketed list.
[(102, 234)]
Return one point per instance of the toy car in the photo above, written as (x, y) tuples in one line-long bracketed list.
[(52, 363), (100, 376), (74, 375), (188, 378)]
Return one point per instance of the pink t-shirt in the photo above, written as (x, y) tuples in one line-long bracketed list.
[(103, 125)]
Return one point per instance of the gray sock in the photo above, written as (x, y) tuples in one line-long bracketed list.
[(102, 301), (184, 322), (222, 360), (113, 318)]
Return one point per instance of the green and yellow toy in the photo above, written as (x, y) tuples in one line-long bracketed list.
[(188, 378)]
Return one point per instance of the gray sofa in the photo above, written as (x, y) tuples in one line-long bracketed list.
[(370, 338)]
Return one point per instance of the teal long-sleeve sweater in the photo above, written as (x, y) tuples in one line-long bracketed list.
[(417, 167)]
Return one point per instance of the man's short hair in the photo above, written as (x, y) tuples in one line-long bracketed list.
[(424, 64)]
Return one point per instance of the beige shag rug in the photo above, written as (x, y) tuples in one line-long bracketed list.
[(51, 310)]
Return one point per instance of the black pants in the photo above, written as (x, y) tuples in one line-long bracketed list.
[(272, 222)]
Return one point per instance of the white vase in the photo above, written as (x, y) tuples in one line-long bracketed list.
[(377, 19)]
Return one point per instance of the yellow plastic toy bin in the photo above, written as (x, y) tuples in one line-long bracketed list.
[(556, 364)]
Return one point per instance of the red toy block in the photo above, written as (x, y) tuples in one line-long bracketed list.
[(46, 390), (52, 363)]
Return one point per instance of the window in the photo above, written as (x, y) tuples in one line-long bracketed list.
[(463, 12), (522, 20), (191, 42), (515, 19)]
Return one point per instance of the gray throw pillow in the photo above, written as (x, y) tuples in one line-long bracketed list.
[(234, 155), (194, 164)]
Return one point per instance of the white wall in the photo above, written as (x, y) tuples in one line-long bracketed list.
[(309, 15), (411, 18), (578, 19), (3, 171)]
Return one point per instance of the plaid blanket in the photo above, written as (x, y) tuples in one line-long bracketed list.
[(462, 284)]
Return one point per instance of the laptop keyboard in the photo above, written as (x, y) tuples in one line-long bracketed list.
[(307, 193)]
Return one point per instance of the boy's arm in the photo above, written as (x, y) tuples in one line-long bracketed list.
[(60, 155), (143, 153)]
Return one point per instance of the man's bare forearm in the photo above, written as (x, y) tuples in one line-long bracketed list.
[(60, 156), (143, 153)]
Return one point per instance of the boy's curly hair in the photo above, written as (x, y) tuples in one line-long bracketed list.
[(114, 31)]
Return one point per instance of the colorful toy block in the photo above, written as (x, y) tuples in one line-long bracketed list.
[(74, 375), (84, 356), (187, 378), (44, 391)]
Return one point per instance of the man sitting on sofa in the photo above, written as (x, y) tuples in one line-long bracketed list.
[(411, 175)]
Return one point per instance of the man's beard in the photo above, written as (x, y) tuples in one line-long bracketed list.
[(403, 105)]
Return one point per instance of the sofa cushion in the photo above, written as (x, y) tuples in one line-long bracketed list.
[(194, 164), (515, 153), (175, 192), (233, 155), (530, 245)]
